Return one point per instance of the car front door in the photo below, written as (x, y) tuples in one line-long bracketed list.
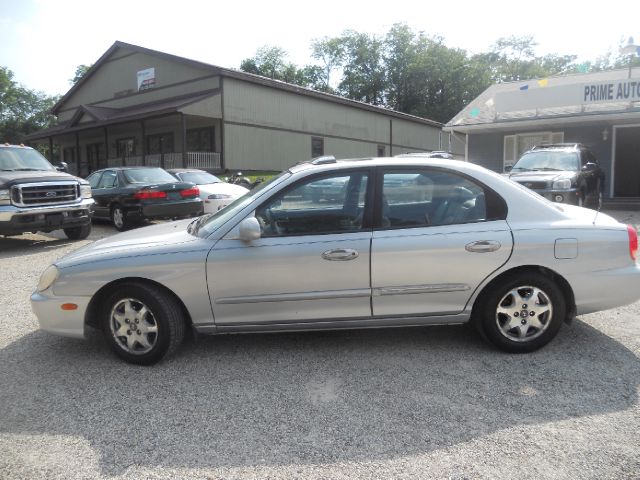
[(437, 236), (311, 263)]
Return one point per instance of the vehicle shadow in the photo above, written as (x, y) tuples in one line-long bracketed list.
[(12, 247), (308, 398)]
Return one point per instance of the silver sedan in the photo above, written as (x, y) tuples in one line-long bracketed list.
[(456, 244)]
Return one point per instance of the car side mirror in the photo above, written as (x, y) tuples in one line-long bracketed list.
[(589, 166), (62, 167), (508, 168), (249, 229)]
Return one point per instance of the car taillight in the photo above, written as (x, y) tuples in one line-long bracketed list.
[(149, 194), (633, 241), (190, 192)]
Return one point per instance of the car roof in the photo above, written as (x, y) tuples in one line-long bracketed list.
[(184, 170), (10, 145), (404, 161)]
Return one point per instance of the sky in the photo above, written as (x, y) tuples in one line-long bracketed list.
[(43, 41)]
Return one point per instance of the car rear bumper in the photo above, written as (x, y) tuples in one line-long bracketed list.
[(53, 319), (179, 209), (622, 288)]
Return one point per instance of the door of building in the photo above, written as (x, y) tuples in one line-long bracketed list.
[(627, 162)]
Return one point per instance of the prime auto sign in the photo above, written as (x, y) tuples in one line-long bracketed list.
[(619, 91)]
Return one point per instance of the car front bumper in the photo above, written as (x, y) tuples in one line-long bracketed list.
[(560, 196), (53, 319)]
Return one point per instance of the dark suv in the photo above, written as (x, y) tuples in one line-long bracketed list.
[(564, 173)]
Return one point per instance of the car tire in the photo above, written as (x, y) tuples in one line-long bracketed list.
[(156, 315), (522, 312), (78, 233), (119, 218)]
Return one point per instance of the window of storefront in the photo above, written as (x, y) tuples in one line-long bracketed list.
[(200, 140), (160, 143), (516, 145), (125, 147)]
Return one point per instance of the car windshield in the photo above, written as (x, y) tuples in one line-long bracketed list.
[(22, 159), (547, 160), (199, 178), (207, 224), (148, 175)]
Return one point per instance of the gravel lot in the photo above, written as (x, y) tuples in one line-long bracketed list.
[(407, 403)]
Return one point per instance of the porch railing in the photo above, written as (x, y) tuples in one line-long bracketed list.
[(204, 160)]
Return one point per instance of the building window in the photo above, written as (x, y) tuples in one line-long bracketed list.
[(317, 147), (160, 143), (125, 147), (201, 140), (95, 156), (516, 145), (381, 150)]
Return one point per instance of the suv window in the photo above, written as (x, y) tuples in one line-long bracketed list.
[(330, 204), (423, 198), (548, 160)]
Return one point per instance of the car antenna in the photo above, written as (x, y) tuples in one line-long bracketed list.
[(597, 212)]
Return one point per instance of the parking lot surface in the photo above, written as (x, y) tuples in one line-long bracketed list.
[(402, 403)]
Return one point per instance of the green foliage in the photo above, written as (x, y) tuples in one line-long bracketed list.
[(80, 72), (22, 111)]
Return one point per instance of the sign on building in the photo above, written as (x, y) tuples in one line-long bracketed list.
[(146, 78)]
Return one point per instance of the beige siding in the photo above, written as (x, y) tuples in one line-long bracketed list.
[(340, 148), (120, 77), (260, 149), (257, 105), (415, 136), (209, 107)]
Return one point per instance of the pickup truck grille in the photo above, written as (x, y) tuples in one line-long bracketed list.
[(46, 193)]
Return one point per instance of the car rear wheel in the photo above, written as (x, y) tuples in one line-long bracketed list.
[(119, 218), (78, 233), (142, 323), (522, 312)]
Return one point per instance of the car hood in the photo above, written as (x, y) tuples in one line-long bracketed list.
[(153, 240), (540, 176), (8, 179)]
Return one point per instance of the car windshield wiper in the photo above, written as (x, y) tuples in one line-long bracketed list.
[(548, 169), (28, 169), (522, 168)]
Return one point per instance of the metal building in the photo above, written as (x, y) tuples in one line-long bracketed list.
[(137, 106)]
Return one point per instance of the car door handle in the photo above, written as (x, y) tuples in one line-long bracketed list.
[(340, 254), (482, 246)]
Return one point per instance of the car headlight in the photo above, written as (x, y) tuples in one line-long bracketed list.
[(47, 278), (218, 196), (85, 191), (563, 184), (5, 197)]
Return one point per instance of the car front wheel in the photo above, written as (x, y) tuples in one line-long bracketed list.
[(522, 312), (142, 323)]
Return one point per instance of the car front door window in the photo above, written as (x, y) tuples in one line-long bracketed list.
[(333, 204)]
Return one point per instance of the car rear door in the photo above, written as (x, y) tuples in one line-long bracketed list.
[(435, 241), (310, 265)]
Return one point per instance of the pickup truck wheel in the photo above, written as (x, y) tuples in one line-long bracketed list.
[(78, 233), (119, 218), (142, 323)]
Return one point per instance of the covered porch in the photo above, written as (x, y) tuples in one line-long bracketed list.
[(179, 133)]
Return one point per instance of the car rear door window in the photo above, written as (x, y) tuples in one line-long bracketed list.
[(423, 198), (109, 179)]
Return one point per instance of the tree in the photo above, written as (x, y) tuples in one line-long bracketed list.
[(81, 70), (363, 73), (22, 111), (330, 52)]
